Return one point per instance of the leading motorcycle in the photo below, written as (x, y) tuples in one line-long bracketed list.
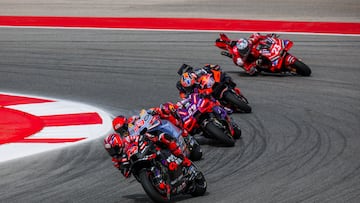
[(274, 55)]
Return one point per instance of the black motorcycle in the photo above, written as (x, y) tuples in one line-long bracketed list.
[(151, 168), (220, 86)]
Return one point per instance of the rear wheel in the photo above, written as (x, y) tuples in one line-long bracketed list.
[(146, 180), (239, 103), (301, 68), (214, 130)]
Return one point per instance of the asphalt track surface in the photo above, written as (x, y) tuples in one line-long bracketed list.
[(300, 144)]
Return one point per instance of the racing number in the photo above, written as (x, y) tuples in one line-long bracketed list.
[(192, 109), (276, 49)]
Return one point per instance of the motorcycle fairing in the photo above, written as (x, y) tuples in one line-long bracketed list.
[(145, 122), (169, 128), (274, 49)]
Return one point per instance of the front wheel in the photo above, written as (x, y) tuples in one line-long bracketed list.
[(240, 104), (200, 185), (214, 129), (301, 68), (146, 180)]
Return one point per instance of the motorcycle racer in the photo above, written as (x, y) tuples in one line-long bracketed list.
[(191, 79), (114, 145), (199, 109), (117, 144), (245, 53)]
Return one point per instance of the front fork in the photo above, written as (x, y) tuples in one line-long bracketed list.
[(289, 60)]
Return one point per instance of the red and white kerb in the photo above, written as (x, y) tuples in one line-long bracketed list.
[(30, 125)]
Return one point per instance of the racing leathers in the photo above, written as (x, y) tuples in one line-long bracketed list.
[(251, 60), (212, 69), (121, 161)]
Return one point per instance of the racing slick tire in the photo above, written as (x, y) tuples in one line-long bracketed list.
[(213, 129), (301, 68), (149, 188), (235, 100)]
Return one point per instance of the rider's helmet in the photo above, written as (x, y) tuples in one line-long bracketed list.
[(243, 46), (187, 80), (120, 124), (167, 108), (206, 81), (113, 144)]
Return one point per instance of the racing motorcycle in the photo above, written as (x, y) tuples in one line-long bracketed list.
[(203, 114), (151, 168), (225, 92), (274, 55), (153, 124)]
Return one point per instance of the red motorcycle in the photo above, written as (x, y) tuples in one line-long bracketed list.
[(150, 165), (274, 55), (201, 113)]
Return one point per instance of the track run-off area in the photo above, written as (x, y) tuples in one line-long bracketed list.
[(31, 125)]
